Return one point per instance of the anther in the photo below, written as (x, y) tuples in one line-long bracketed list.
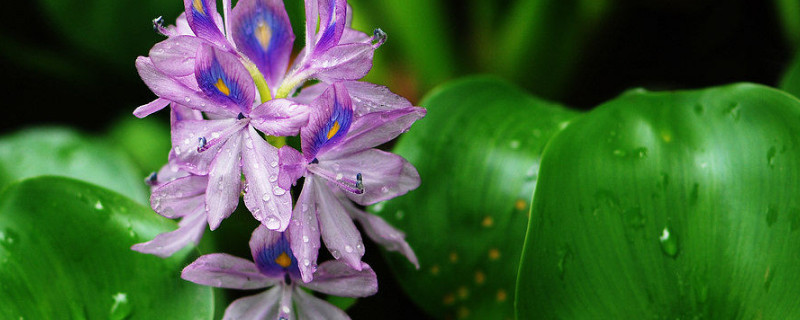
[(359, 183), (152, 179), (378, 37), (240, 116), (287, 279), (158, 26), (315, 161), (202, 147)]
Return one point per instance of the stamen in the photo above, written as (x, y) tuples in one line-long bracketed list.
[(152, 179), (240, 116), (287, 279), (356, 187), (203, 143), (315, 161), (359, 183), (158, 26), (378, 37)]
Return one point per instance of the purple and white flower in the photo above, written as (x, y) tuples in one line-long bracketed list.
[(275, 266), (339, 158)]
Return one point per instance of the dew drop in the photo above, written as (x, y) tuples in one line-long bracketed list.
[(98, 205), (278, 191), (640, 152), (348, 248), (619, 152), (339, 176), (272, 223), (306, 262), (669, 243), (121, 307), (305, 239), (177, 151), (514, 144), (379, 207), (336, 254), (215, 135), (273, 178), (265, 197), (248, 143), (187, 99), (304, 207), (385, 189), (8, 238), (286, 309), (360, 247), (273, 164)]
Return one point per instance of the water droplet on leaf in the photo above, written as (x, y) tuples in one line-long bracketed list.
[(669, 243)]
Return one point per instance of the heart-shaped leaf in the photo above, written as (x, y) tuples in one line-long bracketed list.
[(477, 152), (669, 205), (65, 254)]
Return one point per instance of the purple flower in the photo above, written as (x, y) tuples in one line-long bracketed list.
[(228, 146), (276, 266), (338, 162)]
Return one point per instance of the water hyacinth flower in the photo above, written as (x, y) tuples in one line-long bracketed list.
[(228, 146), (275, 266), (339, 158)]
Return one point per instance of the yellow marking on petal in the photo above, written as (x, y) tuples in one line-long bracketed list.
[(494, 254), (334, 130), (501, 295), (487, 222), (263, 34), (453, 257), (480, 277), (283, 260), (222, 87), (198, 5)]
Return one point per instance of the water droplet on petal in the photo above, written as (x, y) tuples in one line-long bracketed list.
[(305, 239), (349, 249), (187, 99), (278, 191), (339, 176), (273, 178), (336, 254), (273, 164), (248, 143), (272, 223), (304, 207), (265, 197), (306, 262)]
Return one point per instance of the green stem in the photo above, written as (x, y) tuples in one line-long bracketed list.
[(261, 83)]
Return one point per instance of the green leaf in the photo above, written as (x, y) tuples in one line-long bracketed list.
[(477, 152), (65, 152), (146, 141), (65, 254), (669, 205), (789, 13)]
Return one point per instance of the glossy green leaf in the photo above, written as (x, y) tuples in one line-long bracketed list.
[(64, 152), (477, 152), (65, 254), (669, 205)]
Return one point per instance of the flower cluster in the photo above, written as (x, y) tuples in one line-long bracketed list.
[(233, 98)]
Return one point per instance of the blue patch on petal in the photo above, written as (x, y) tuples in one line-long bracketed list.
[(220, 86), (336, 128), (277, 260), (202, 19), (263, 33)]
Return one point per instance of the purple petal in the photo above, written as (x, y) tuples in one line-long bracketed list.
[(269, 203), (344, 62), (354, 36), (226, 271), (195, 143), (329, 121), (224, 79), (293, 166), (261, 306), (174, 89), (175, 56), (167, 173), (182, 113), (309, 307), (285, 310), (279, 117), (368, 98), (312, 17), (180, 197), (150, 108), (338, 279), (338, 231), (224, 182), (310, 93), (333, 17), (382, 233), (261, 30), (304, 231), (190, 230), (203, 18), (384, 175), (376, 128), (270, 250)]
